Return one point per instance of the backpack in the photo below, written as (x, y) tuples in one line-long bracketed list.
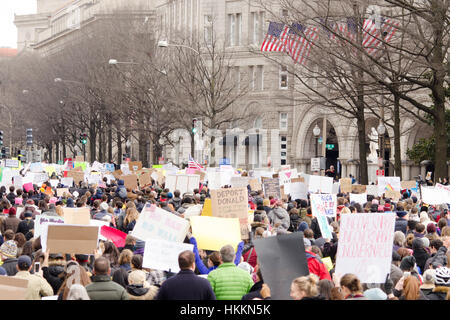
[(122, 193)]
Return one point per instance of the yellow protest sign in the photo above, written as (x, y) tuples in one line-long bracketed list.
[(207, 208), (328, 263), (50, 170), (212, 233)]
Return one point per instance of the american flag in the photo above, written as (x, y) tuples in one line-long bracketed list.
[(300, 42), (194, 164), (276, 37)]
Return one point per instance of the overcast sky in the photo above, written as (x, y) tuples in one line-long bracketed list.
[(8, 31)]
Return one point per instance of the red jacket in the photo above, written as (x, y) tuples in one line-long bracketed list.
[(316, 266)]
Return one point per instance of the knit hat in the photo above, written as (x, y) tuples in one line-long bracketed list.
[(387, 207), (303, 226), (53, 200), (401, 213), (408, 263), (9, 249), (12, 212), (24, 262), (69, 203), (246, 266), (429, 278), (273, 201), (138, 277), (443, 276), (169, 195), (431, 228), (375, 294)]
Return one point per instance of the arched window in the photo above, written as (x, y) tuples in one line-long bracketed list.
[(258, 123)]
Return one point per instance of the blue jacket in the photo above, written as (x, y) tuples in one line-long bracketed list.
[(199, 262)]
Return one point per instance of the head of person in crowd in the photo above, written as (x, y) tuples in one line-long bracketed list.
[(101, 266), (8, 250), (186, 260), (411, 288), (24, 263), (305, 287), (227, 254), (325, 287), (408, 264), (351, 286)]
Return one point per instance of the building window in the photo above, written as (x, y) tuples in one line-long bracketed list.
[(283, 121), (238, 28), (232, 24), (258, 123), (208, 29), (283, 150), (235, 29), (283, 78), (251, 73), (260, 78)]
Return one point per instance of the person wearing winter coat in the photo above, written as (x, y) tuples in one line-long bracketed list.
[(138, 288), (121, 191), (228, 281), (401, 223), (420, 253), (176, 200), (11, 222), (186, 285), (102, 287), (315, 264), (440, 258), (53, 270), (8, 254), (280, 215), (37, 286), (442, 284)]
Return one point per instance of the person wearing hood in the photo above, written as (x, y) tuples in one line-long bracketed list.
[(51, 211), (121, 191), (138, 288), (279, 215), (401, 223), (420, 253), (69, 203), (26, 225), (103, 214), (53, 269)]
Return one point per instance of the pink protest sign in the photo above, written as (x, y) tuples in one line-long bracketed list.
[(28, 186), (116, 236)]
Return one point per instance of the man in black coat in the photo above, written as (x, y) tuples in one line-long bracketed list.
[(186, 285)]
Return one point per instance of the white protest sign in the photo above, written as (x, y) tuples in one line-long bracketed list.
[(239, 182), (36, 167), (323, 206), (40, 178), (7, 175), (320, 184), (195, 210), (94, 179), (183, 182), (365, 246), (298, 190), (434, 195), (156, 223), (163, 255), (372, 190), (54, 183), (125, 169), (67, 182), (384, 183), (336, 186), (286, 176), (18, 181), (99, 224), (10, 163), (315, 164), (360, 198), (44, 219)]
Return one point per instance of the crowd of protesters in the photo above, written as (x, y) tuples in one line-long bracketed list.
[(419, 269)]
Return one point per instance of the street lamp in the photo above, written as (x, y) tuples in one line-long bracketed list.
[(165, 44), (316, 132), (114, 62)]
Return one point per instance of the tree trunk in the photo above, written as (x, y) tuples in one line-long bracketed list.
[(110, 140), (92, 142), (119, 147), (397, 145), (57, 152), (440, 133)]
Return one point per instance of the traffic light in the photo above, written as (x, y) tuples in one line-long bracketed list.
[(83, 138), (7, 152), (29, 137), (194, 125), (1, 138)]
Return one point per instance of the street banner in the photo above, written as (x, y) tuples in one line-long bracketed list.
[(163, 255), (365, 246), (271, 187), (281, 259), (213, 233), (62, 238), (323, 206), (388, 183), (77, 216), (44, 219), (156, 223), (12, 288), (231, 203), (360, 198)]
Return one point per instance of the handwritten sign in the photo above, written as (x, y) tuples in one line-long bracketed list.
[(163, 255), (60, 191), (365, 246), (239, 182), (408, 184), (386, 183), (213, 233), (271, 187), (67, 182), (145, 179), (323, 206), (231, 203), (346, 185), (358, 198), (135, 165), (42, 219), (358, 188), (156, 223), (130, 181), (10, 163), (286, 176), (77, 176), (255, 185)]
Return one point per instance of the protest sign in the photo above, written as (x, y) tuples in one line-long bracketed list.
[(358, 188), (346, 185), (213, 233), (60, 191), (239, 182), (271, 187), (116, 236), (79, 158), (69, 238), (117, 174), (163, 255), (395, 195), (36, 167), (388, 183), (207, 209), (77, 176), (67, 182), (156, 223), (40, 178), (286, 176), (125, 169), (408, 184), (81, 165), (360, 198), (28, 187), (231, 203), (320, 184), (281, 259), (10, 163), (255, 185), (135, 165), (444, 191), (434, 195), (130, 181), (43, 219), (80, 216), (145, 179), (365, 246), (12, 288), (94, 179), (372, 190), (110, 167), (193, 211), (201, 174), (323, 206), (17, 181), (54, 183), (183, 182), (336, 187), (298, 190)]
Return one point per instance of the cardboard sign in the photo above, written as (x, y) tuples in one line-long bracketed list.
[(281, 259), (207, 209), (117, 174), (323, 206), (163, 255), (319, 184), (213, 233), (255, 185), (135, 165), (395, 195), (130, 181), (41, 220), (372, 190), (77, 176), (271, 187), (346, 185), (78, 216), (231, 203), (357, 188), (156, 223), (12, 288), (71, 239), (145, 179), (358, 198), (408, 184), (60, 191), (79, 159), (365, 246)]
